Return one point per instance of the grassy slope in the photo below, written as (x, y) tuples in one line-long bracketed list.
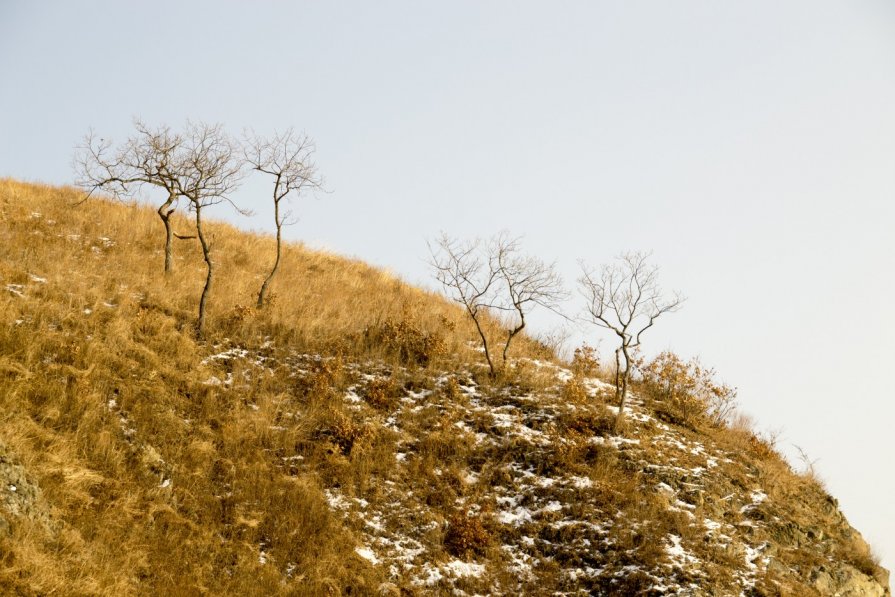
[(136, 472)]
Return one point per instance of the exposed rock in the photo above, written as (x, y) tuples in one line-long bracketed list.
[(19, 496), (846, 581)]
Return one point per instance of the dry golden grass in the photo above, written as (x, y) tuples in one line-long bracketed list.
[(150, 469), (151, 480)]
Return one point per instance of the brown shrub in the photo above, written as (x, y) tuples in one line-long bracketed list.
[(381, 393), (573, 391), (406, 338), (466, 534), (585, 361), (686, 392), (345, 431)]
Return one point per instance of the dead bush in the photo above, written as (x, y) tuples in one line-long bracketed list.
[(466, 534), (381, 393), (451, 390), (407, 340), (585, 361), (686, 392), (586, 422), (345, 431), (573, 391), (322, 381)]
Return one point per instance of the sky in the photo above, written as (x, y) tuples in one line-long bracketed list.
[(750, 146)]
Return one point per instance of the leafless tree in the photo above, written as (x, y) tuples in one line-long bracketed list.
[(495, 278), (288, 157), (210, 171), (527, 281), (625, 298), (152, 156)]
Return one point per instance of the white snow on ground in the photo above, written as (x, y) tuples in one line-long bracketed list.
[(461, 569), (232, 353), (367, 554), (711, 525), (37, 279), (16, 289), (615, 441), (757, 496), (432, 574), (678, 555), (393, 531)]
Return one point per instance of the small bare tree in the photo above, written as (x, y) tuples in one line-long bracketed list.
[(288, 157), (527, 282), (625, 298), (151, 157), (495, 278), (210, 172)]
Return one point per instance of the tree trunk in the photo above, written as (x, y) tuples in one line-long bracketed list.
[(206, 254), (512, 334), (475, 319), (623, 391), (165, 211), (276, 264), (618, 372)]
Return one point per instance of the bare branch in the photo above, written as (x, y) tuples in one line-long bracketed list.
[(288, 158), (495, 276), (625, 298)]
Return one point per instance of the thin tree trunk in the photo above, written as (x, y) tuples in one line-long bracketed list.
[(206, 254), (618, 371), (165, 211), (512, 334), (276, 264), (475, 319), (626, 374)]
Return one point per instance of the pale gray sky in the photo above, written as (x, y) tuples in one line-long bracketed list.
[(750, 145)]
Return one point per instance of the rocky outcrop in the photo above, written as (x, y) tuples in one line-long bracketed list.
[(19, 496)]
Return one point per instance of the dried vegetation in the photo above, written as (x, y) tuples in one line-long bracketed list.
[(346, 439)]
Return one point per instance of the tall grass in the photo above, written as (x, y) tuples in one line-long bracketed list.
[(147, 478)]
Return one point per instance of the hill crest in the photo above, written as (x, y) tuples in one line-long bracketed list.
[(347, 441)]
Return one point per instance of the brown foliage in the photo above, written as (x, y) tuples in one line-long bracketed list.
[(686, 391), (466, 533)]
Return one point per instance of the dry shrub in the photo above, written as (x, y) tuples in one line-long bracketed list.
[(321, 383), (451, 390), (445, 444), (686, 392), (466, 534), (574, 391), (346, 431), (586, 422), (407, 340), (585, 361), (525, 377), (382, 393)]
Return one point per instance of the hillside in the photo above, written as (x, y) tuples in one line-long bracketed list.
[(346, 440)]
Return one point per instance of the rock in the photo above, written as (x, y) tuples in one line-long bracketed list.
[(843, 580), (18, 495)]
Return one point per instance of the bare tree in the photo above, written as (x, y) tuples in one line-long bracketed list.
[(495, 278), (210, 172), (625, 298), (150, 157), (288, 157), (527, 282)]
